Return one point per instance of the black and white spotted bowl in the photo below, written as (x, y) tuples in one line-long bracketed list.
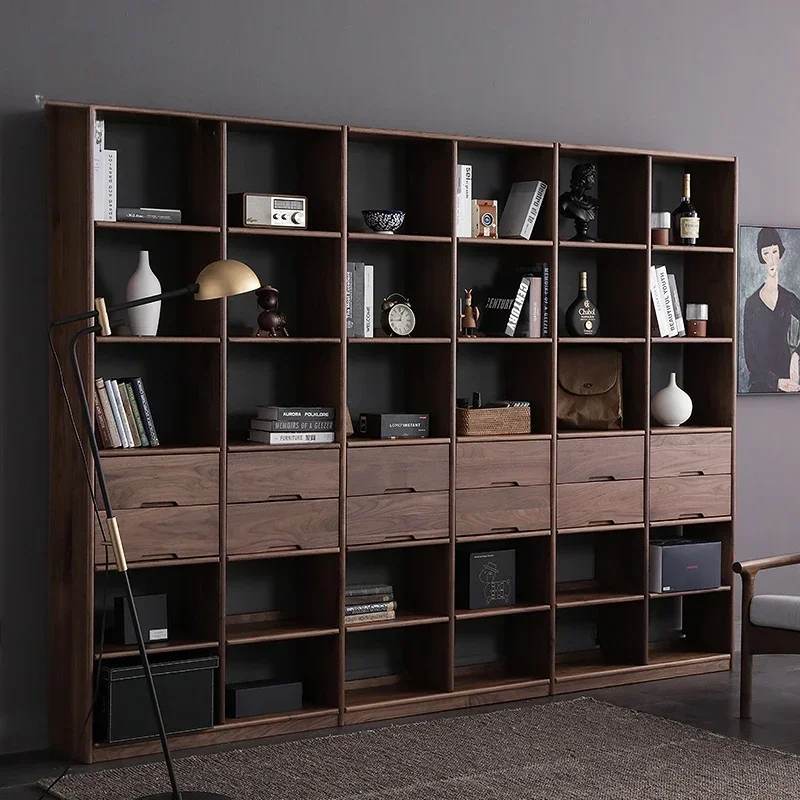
[(384, 221)]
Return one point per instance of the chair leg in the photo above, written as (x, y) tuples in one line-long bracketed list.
[(746, 680)]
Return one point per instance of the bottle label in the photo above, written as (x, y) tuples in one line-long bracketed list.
[(690, 227)]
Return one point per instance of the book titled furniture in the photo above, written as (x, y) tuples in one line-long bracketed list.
[(254, 544)]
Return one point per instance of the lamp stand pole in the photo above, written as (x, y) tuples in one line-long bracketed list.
[(116, 542)]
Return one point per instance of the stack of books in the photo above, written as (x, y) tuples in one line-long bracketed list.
[(368, 602), (123, 414), (667, 315), (359, 300), (518, 306), (293, 425)]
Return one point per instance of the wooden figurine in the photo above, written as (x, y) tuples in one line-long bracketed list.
[(270, 321), (470, 315)]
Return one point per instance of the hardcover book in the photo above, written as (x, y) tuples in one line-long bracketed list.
[(666, 297), (268, 437), (291, 425), (118, 412), (143, 404), (521, 210), (660, 325), (109, 185), (378, 616), (105, 404), (464, 201), (365, 589), (102, 424), (284, 413), (369, 608), (165, 216), (137, 416), (519, 302), (676, 304), (129, 419)]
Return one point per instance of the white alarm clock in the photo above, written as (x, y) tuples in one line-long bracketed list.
[(398, 317)]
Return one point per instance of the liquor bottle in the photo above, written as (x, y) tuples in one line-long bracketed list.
[(685, 219), (583, 318)]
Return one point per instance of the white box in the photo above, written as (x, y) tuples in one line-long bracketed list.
[(464, 201)]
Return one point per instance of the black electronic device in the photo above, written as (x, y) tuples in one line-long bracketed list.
[(153, 617), (683, 565), (394, 426)]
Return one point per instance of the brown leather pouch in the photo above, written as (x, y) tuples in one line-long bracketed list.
[(590, 389)]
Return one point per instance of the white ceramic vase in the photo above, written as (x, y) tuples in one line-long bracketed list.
[(671, 406), (143, 283)]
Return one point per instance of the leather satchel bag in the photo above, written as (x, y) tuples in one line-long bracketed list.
[(590, 389)]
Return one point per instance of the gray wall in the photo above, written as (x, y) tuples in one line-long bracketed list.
[(699, 75)]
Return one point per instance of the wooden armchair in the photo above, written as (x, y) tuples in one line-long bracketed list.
[(770, 622)]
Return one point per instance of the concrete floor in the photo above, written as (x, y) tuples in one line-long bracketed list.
[(706, 701)]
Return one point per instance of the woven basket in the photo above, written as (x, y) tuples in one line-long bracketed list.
[(492, 421)]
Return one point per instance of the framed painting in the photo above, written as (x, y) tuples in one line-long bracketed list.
[(769, 310)]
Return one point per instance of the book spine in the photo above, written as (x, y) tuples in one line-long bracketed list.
[(516, 309), (105, 403), (116, 408), (362, 590), (535, 304), (98, 173), (295, 413), (122, 414), (126, 405), (144, 409), (348, 297), (137, 417), (369, 301), (266, 437), (533, 211), (663, 286), (101, 423), (371, 598), (110, 185), (166, 216), (545, 300), (658, 305), (358, 300), (378, 616), (369, 608), (676, 304), (321, 425)]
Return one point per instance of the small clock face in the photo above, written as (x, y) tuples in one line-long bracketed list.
[(401, 319)]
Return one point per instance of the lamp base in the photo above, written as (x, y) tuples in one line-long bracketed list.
[(186, 796)]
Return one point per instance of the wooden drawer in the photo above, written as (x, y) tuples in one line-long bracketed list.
[(690, 498), (287, 475), (480, 465), (142, 481), (282, 525), (164, 534), (602, 503), (397, 518), (505, 510), (603, 458), (378, 470), (685, 454)]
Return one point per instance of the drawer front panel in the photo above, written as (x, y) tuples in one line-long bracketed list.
[(602, 503), (690, 498), (282, 525), (481, 465), (396, 518), (149, 481), (380, 470), (165, 534), (688, 454), (505, 510), (604, 458), (287, 475)]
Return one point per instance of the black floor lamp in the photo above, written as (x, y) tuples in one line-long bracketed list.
[(218, 280)]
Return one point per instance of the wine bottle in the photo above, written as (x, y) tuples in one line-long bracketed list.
[(685, 219), (583, 318)]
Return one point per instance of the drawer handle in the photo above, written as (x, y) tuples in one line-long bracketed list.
[(504, 483), (511, 529), (693, 472), (602, 478), (285, 497), (283, 547), (691, 516), (400, 490), (160, 504), (158, 557), (600, 522), (408, 537)]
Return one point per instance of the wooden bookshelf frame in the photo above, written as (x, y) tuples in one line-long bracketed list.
[(205, 353)]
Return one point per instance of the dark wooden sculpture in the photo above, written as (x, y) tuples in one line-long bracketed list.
[(270, 321), (470, 315)]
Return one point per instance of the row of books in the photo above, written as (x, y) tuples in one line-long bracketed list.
[(368, 602), (519, 213), (518, 306), (123, 414), (359, 300), (667, 315), (293, 425)]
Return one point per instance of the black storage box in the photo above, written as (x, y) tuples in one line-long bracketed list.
[(394, 426), (486, 579), (684, 565), (256, 698), (185, 691), (152, 610)]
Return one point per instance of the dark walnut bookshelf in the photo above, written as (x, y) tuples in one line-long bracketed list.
[(254, 544)]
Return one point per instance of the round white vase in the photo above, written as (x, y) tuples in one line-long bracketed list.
[(671, 406), (143, 283)]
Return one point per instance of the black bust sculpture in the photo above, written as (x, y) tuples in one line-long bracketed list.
[(577, 205)]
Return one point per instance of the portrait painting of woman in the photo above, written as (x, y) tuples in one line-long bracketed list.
[(769, 310)]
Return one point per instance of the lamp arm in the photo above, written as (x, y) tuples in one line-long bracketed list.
[(116, 541)]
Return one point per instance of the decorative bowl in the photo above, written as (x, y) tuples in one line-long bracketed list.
[(384, 220)]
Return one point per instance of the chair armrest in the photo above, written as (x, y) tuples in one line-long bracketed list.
[(750, 568)]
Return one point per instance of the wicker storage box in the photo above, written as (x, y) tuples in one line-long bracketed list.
[(492, 421)]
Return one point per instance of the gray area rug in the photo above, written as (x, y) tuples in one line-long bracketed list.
[(574, 749)]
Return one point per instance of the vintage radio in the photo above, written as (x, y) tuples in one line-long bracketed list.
[(251, 210)]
